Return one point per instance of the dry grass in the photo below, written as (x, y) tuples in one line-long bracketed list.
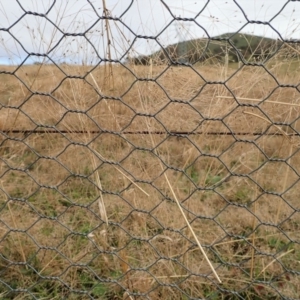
[(238, 192)]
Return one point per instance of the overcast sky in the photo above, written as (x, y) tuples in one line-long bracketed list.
[(143, 17)]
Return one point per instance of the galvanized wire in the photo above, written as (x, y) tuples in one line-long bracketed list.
[(86, 211)]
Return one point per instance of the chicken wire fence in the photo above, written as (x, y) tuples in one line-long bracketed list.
[(167, 175)]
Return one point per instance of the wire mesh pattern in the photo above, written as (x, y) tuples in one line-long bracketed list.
[(173, 175)]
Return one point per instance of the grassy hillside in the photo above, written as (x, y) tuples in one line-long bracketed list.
[(239, 191), (230, 46)]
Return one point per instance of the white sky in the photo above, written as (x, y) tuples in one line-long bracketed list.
[(143, 17)]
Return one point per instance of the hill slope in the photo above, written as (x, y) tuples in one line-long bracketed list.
[(231, 46)]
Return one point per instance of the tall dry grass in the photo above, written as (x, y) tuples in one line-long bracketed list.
[(95, 212)]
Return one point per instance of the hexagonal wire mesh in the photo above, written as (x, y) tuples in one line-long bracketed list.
[(171, 174)]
